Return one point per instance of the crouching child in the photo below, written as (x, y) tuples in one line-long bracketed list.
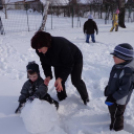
[(120, 85), (34, 87)]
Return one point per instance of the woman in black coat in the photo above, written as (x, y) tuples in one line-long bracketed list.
[(66, 59)]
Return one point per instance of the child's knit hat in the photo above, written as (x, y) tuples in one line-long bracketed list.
[(124, 51), (32, 66), (90, 16), (117, 11)]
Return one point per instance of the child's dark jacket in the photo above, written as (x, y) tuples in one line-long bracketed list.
[(120, 85), (37, 89)]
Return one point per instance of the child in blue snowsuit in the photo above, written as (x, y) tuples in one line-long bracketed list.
[(120, 85)]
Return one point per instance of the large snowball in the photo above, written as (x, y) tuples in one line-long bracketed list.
[(39, 116)]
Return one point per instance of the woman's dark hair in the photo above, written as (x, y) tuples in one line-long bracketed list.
[(41, 39)]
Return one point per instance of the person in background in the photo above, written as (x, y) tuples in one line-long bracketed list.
[(89, 29), (115, 21)]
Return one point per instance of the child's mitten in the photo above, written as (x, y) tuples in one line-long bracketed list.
[(110, 100)]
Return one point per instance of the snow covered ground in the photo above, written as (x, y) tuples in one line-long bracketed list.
[(73, 116)]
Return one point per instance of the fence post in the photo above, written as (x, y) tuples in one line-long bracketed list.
[(78, 21), (72, 16), (1, 27), (130, 11), (101, 9), (5, 10), (42, 9), (51, 18), (27, 17), (133, 15)]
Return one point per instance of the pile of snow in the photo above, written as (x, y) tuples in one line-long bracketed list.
[(40, 117)]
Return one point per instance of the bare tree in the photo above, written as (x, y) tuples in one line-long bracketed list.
[(45, 13)]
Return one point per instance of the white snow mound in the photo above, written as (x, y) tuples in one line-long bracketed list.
[(39, 116)]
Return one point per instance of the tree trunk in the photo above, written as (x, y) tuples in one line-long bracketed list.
[(44, 16)]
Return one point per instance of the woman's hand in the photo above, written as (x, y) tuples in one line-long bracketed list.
[(58, 85), (47, 80)]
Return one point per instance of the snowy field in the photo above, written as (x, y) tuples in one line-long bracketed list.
[(73, 117)]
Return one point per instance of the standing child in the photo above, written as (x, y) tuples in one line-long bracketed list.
[(34, 87), (115, 21), (89, 29), (120, 85)]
